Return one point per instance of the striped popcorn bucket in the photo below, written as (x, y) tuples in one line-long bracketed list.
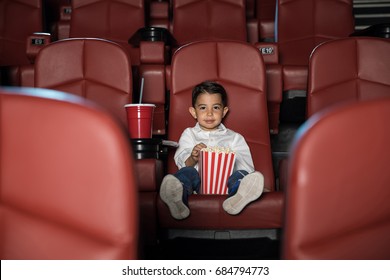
[(215, 167)]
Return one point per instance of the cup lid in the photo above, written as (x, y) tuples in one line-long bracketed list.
[(139, 104)]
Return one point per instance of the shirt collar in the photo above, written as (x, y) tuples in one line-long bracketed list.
[(220, 128)]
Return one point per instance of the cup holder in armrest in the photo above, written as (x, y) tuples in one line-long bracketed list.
[(152, 34)]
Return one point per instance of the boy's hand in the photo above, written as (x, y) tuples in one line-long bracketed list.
[(194, 157)]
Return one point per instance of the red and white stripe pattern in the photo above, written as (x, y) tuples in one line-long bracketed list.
[(215, 166)]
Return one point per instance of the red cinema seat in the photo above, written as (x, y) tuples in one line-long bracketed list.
[(350, 69), (119, 21), (195, 20), (67, 183), (100, 70), (96, 69), (19, 19), (243, 77), (108, 19), (337, 199), (301, 26)]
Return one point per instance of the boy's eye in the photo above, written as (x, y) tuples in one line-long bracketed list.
[(217, 107), (202, 107)]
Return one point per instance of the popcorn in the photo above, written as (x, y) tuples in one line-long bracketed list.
[(215, 166)]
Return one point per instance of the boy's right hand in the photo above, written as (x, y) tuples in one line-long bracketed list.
[(194, 157)]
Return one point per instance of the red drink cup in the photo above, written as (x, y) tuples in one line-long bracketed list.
[(140, 120)]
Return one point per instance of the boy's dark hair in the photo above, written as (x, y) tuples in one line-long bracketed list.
[(209, 87)]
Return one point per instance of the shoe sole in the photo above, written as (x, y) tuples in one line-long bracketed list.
[(250, 189), (171, 192)]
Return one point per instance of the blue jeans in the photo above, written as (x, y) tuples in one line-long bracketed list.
[(190, 179)]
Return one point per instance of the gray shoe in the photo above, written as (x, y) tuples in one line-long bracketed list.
[(250, 189), (171, 192)]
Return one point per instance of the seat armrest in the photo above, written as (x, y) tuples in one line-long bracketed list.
[(267, 30), (270, 52), (63, 25), (152, 52), (35, 43), (252, 30), (283, 174), (149, 174), (159, 14), (168, 76)]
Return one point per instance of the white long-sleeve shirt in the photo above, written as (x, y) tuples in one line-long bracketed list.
[(221, 137)]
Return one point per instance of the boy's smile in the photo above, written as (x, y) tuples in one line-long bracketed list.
[(209, 110)]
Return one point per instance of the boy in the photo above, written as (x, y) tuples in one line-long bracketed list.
[(209, 107)]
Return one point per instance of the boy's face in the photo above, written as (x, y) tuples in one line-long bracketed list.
[(209, 111)]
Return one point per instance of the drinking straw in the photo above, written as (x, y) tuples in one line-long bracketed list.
[(141, 90)]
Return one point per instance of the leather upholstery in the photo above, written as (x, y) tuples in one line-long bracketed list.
[(243, 77), (67, 184), (301, 26), (319, 21), (195, 20), (19, 19), (265, 13), (337, 200), (96, 69), (350, 69), (109, 19)]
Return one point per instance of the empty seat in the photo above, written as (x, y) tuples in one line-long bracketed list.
[(108, 19), (118, 21), (337, 199), (67, 182), (195, 20), (100, 70), (301, 26), (243, 77), (350, 69), (19, 19), (96, 69)]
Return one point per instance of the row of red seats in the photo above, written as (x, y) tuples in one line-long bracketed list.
[(91, 19), (161, 13)]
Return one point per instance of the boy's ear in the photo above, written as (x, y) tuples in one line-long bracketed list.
[(225, 110), (192, 112)]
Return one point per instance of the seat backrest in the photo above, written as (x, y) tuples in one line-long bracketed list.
[(109, 19), (337, 199), (303, 24), (243, 77), (67, 184), (195, 20), (19, 19), (350, 69), (113, 20), (96, 69)]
